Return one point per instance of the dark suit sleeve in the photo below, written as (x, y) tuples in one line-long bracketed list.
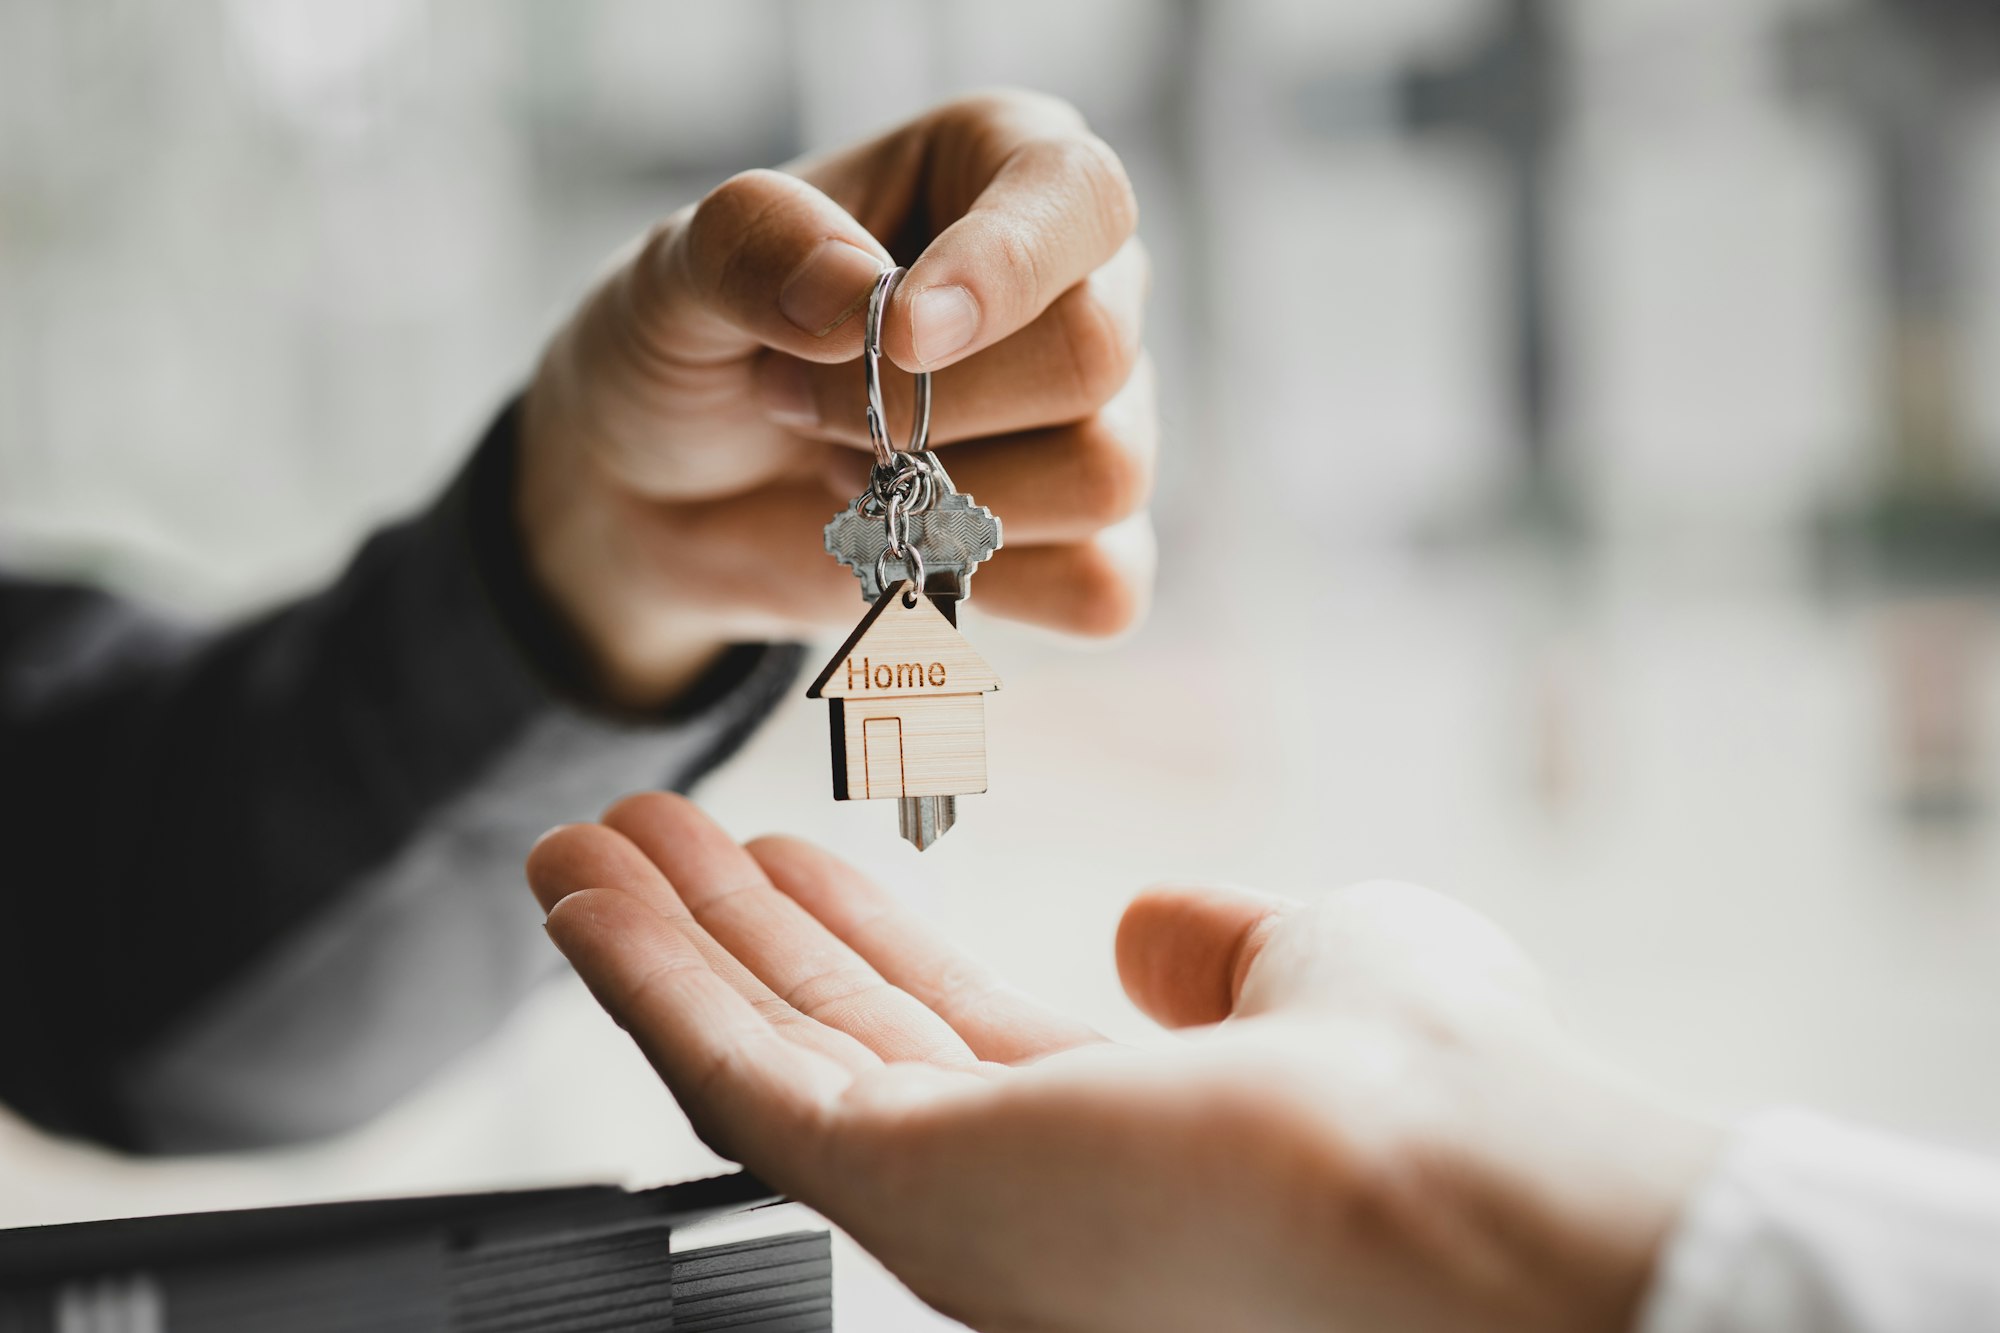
[(259, 883)]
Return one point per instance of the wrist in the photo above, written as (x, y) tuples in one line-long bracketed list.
[(1571, 1181)]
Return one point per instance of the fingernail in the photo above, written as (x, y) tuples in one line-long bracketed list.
[(826, 289), (942, 320), (787, 393)]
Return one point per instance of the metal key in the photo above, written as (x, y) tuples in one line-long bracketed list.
[(922, 820), (954, 535)]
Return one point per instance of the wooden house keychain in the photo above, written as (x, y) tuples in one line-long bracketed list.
[(907, 691)]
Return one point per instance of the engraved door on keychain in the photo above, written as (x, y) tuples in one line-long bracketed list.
[(907, 692)]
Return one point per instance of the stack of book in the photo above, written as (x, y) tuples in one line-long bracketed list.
[(594, 1259)]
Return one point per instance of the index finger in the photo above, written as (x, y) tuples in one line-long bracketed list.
[(999, 1023), (1039, 203), (577, 857), (750, 1094), (808, 967)]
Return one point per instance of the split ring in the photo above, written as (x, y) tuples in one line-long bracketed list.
[(871, 367)]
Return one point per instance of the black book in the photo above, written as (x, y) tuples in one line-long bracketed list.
[(591, 1258)]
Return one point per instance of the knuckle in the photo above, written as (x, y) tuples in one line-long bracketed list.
[(723, 210), (726, 215), (1100, 354), (1107, 600), (1099, 179), (660, 237), (642, 279), (1113, 476), (1019, 257), (744, 194), (1012, 102)]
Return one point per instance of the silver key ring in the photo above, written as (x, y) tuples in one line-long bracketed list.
[(871, 367)]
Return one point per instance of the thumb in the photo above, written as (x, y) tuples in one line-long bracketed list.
[(1184, 951), (765, 260), (1385, 945), (1200, 955)]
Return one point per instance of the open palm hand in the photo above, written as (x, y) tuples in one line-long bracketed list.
[(1363, 1142)]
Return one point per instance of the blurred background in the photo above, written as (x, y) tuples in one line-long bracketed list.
[(1581, 489)]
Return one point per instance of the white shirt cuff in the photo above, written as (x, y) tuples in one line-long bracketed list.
[(1806, 1225)]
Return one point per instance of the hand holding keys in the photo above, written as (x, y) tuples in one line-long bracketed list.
[(688, 433)]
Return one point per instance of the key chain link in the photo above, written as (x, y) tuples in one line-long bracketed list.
[(897, 524), (911, 557)]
